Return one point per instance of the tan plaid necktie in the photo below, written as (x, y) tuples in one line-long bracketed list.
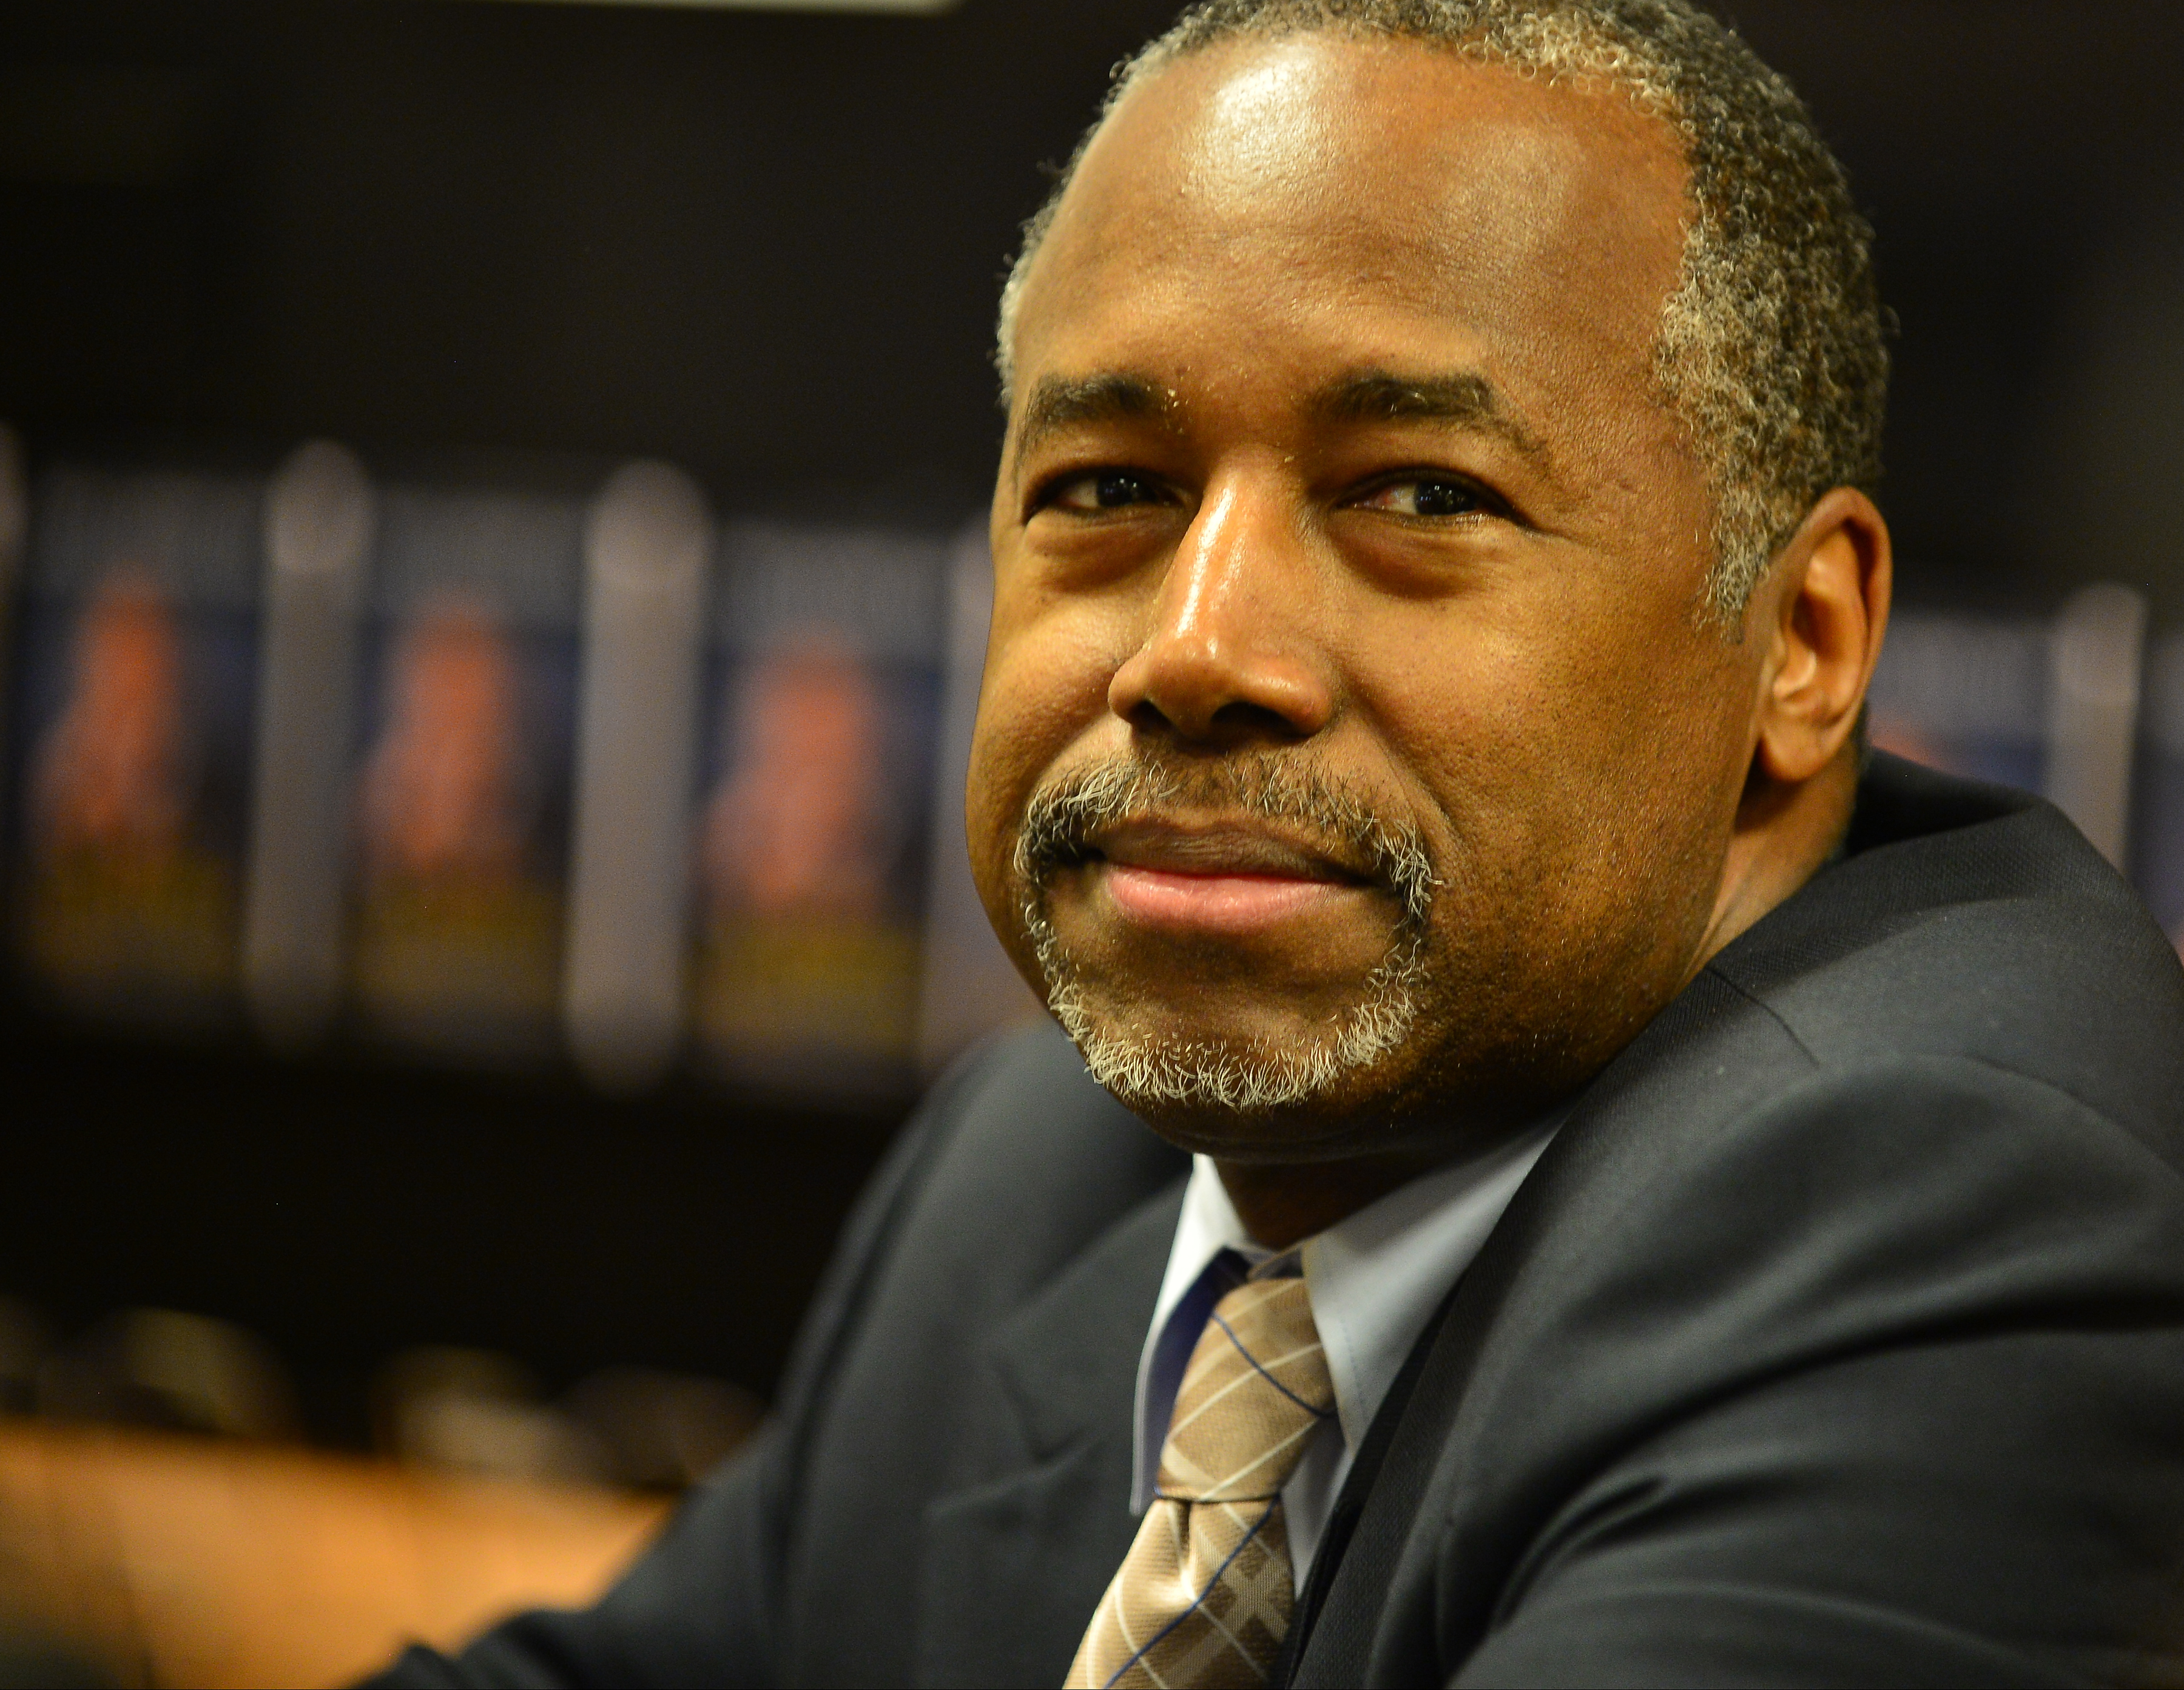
[(1203, 1598)]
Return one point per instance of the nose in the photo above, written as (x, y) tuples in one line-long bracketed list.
[(1228, 657)]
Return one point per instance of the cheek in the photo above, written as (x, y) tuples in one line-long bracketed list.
[(1547, 740), (1048, 666)]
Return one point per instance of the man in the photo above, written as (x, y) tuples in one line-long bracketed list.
[(1669, 1204)]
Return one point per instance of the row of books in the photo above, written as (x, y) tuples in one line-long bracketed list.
[(487, 773), (480, 773)]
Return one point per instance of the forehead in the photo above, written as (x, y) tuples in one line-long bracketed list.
[(1375, 200)]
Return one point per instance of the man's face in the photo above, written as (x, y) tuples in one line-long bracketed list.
[(1354, 757)]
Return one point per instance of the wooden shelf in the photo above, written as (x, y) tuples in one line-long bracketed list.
[(171, 1559)]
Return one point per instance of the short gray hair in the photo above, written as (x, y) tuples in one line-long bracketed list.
[(1772, 346)]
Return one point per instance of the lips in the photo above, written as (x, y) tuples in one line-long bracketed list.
[(1215, 880)]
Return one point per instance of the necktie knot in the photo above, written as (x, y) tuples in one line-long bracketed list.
[(1256, 1388), (1203, 1599)]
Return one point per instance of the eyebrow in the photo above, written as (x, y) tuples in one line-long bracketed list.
[(1060, 402), (1466, 398)]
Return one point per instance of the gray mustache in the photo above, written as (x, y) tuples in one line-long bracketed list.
[(1062, 816)]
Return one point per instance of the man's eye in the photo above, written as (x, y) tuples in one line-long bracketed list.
[(1105, 490), (1426, 496)]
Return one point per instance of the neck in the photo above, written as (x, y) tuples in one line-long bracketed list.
[(1783, 834), (1283, 1203)]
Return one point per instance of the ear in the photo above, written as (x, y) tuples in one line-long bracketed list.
[(1825, 610)]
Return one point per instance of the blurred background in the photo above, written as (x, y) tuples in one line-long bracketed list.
[(491, 509)]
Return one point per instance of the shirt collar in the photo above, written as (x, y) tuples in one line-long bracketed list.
[(1376, 1277)]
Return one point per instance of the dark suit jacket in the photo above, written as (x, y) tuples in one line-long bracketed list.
[(1838, 1338)]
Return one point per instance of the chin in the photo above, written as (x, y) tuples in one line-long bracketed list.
[(1209, 1087), (1353, 1115)]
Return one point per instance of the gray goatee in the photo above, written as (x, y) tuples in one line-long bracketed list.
[(1250, 1076)]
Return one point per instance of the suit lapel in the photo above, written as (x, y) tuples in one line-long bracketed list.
[(1016, 1557), (1380, 1616), (1373, 1615)]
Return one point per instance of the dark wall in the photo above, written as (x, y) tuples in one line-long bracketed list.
[(2023, 162), (764, 244), (346, 1210), (767, 244)]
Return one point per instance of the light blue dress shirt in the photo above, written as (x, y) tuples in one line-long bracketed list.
[(1375, 1279)]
